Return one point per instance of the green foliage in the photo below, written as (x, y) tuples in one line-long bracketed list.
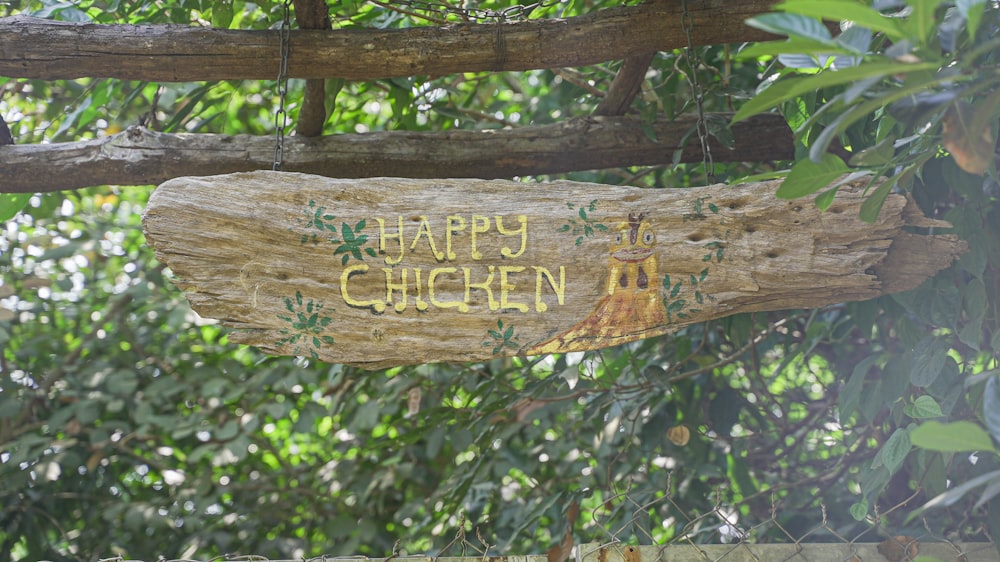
[(917, 88), (130, 426)]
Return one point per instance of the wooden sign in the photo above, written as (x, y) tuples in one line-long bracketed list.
[(388, 271)]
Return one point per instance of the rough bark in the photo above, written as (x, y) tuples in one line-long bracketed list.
[(312, 14), (140, 157), (34, 48), (625, 86), (391, 271)]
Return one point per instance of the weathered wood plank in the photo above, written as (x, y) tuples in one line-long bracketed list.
[(800, 552), (140, 157), (390, 271), (35, 48)]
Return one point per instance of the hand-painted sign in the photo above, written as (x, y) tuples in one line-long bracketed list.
[(390, 271)]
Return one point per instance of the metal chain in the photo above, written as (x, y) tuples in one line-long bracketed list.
[(281, 116), (694, 61)]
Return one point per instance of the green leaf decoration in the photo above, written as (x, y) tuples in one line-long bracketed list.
[(954, 437), (808, 177)]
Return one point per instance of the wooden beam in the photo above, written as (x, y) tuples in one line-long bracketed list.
[(389, 271), (137, 156), (35, 48)]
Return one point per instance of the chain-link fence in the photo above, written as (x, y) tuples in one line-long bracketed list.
[(718, 535)]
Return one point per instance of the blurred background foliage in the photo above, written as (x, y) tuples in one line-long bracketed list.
[(129, 426)]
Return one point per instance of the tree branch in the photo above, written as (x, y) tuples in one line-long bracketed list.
[(137, 156), (35, 48), (312, 14), (625, 85)]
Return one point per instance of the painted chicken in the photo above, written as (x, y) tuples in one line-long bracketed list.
[(632, 305)]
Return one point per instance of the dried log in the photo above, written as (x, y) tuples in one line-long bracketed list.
[(391, 271), (34, 48), (140, 157)]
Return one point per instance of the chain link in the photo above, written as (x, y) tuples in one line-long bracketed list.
[(281, 116), (697, 92)]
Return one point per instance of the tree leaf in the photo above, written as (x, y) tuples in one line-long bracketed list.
[(792, 25), (11, 204), (825, 199), (809, 177), (792, 45), (954, 437), (923, 407), (873, 203), (928, 361), (969, 141), (850, 395), (792, 88), (894, 452), (922, 22), (991, 406), (972, 11), (850, 10), (859, 510), (954, 494)]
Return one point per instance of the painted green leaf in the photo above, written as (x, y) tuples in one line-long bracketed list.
[(808, 177), (347, 232), (675, 290), (955, 437)]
